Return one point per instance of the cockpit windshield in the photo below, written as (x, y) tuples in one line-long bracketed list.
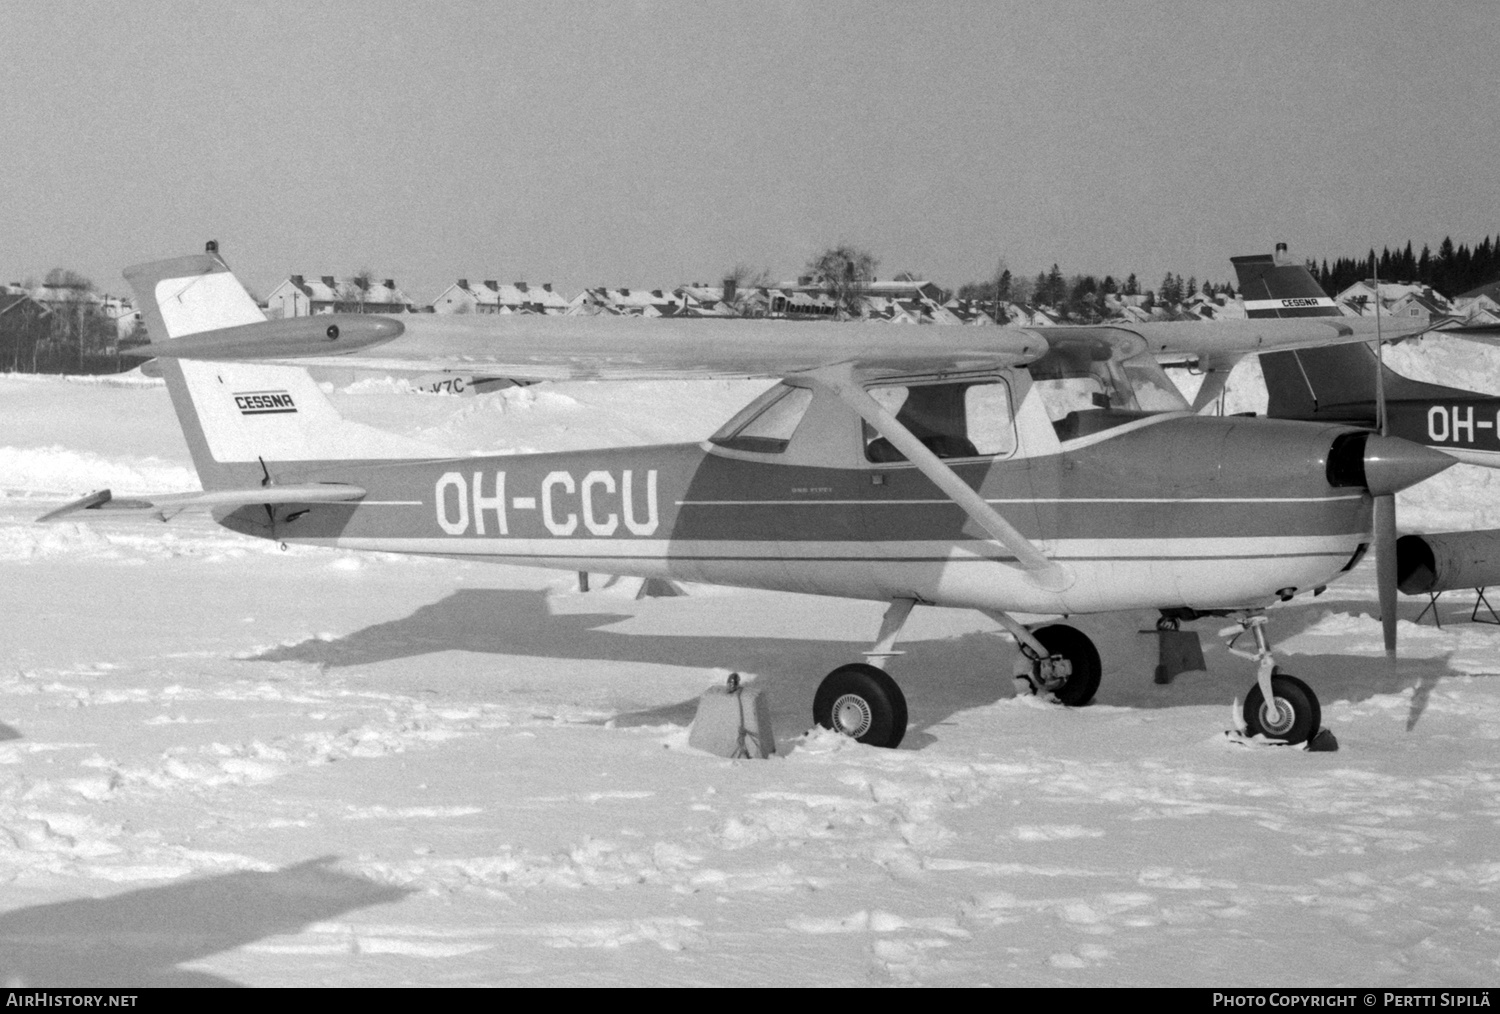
[(1087, 386), (766, 425)]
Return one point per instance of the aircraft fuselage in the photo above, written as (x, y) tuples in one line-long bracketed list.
[(1168, 511)]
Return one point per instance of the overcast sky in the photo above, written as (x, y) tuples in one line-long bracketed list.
[(650, 144)]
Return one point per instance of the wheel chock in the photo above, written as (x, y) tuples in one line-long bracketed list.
[(1323, 742), (734, 721)]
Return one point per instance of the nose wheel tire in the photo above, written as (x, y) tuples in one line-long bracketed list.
[(1073, 645), (863, 703), (1294, 715)]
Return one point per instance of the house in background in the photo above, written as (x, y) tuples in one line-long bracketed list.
[(1216, 306), (1485, 299), (605, 301), (727, 300), (971, 311), (124, 315), (300, 296), (492, 297), (16, 303), (800, 302), (1418, 304), (918, 309), (1359, 299), (80, 301)]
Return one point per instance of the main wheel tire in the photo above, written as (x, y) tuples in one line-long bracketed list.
[(1296, 717), (1073, 645), (862, 702)]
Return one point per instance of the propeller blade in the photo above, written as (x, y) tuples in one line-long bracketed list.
[(1385, 566)]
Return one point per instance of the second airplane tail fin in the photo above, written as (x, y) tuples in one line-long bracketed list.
[(1336, 382), (1274, 285)]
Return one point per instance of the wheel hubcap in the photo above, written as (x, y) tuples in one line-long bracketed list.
[(852, 715), (1277, 717)]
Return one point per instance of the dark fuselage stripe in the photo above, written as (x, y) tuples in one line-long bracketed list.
[(1200, 502)]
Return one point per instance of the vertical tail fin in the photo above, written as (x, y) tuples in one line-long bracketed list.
[(1308, 383), (1276, 286), (249, 423), (188, 295), (1334, 382), (246, 424)]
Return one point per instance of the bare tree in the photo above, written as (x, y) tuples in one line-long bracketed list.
[(746, 277), (745, 280), (77, 318), (23, 326), (845, 273), (354, 291), (994, 292), (64, 278)]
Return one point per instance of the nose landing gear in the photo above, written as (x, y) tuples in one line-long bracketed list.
[(1280, 707)]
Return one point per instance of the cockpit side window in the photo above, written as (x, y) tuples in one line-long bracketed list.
[(766, 425), (1086, 389), (965, 419)]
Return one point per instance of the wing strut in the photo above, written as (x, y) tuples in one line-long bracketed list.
[(1043, 571), (1216, 370)]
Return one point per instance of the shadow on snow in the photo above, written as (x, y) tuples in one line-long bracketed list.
[(940, 676), (139, 938)]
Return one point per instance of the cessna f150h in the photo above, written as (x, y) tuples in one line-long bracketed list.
[(1008, 470)]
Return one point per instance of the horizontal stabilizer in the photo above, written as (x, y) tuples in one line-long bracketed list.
[(1487, 333), (170, 504), (335, 334)]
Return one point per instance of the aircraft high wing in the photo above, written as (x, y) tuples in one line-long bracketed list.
[(544, 348), (1042, 471)]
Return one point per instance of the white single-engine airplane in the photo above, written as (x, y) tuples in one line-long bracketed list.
[(1050, 471)]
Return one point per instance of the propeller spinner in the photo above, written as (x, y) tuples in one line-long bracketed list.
[(1383, 465)]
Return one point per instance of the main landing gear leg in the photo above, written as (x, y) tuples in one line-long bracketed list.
[(1056, 659), (861, 700), (1293, 714)]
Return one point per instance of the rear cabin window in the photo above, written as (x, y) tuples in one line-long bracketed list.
[(766, 425), (1086, 390), (965, 419)]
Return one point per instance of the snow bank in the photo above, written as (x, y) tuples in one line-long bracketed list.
[(59, 471)]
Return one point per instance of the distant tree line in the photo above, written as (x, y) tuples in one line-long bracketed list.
[(1082, 299), (69, 333), (1451, 271)]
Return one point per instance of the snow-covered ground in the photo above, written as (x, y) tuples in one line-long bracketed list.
[(221, 763)]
